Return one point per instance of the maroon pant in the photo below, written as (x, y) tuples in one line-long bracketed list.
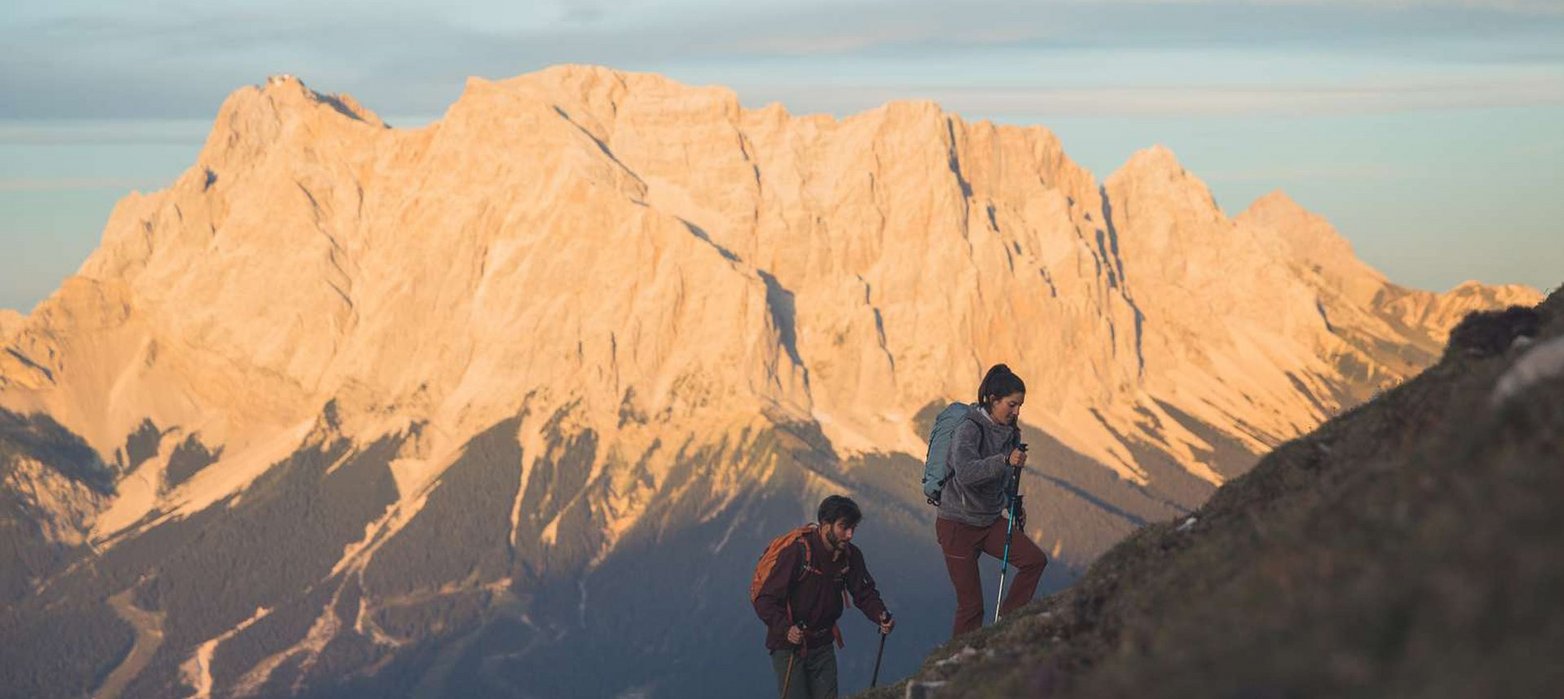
[(962, 543)]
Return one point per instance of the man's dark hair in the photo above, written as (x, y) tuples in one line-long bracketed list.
[(837, 508), (998, 383)]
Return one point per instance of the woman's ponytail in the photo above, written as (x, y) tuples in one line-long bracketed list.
[(997, 383)]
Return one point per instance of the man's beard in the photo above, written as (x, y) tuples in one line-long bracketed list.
[(830, 538)]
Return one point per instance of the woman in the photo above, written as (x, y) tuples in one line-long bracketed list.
[(983, 453)]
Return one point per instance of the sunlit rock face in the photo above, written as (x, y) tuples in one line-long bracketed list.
[(352, 409)]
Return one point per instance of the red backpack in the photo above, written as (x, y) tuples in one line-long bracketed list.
[(768, 561)]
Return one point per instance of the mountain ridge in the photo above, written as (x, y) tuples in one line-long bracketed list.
[(587, 313)]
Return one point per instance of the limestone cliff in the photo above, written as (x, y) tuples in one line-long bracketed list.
[(607, 308)]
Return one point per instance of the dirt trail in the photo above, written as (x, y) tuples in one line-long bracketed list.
[(149, 635)]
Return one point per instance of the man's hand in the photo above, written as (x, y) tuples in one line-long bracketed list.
[(1017, 457), (887, 623), (795, 635)]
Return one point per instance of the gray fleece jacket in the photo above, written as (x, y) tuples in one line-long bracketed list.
[(975, 493)]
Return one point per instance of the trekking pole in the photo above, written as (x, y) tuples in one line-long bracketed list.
[(788, 681), (876, 679), (1015, 502)]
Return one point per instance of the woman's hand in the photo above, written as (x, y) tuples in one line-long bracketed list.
[(1017, 458)]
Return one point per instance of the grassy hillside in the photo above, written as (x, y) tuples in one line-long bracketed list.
[(1411, 547)]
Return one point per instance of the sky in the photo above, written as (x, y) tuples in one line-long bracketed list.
[(1429, 132)]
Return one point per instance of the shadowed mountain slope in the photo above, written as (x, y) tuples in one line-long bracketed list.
[(354, 410)]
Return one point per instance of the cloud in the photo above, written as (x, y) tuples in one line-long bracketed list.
[(1038, 103), (1545, 7), (405, 57)]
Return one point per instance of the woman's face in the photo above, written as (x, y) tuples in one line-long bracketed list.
[(1007, 409)]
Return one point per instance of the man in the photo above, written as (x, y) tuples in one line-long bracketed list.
[(800, 598)]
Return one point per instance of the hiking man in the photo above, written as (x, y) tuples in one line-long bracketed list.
[(798, 591)]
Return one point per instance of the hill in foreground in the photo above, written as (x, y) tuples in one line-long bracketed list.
[(1411, 547)]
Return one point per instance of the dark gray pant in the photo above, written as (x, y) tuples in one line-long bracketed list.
[(814, 673)]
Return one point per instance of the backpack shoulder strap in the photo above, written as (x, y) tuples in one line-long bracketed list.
[(807, 560), (982, 430)]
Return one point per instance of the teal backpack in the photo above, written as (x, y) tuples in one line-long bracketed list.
[(936, 467)]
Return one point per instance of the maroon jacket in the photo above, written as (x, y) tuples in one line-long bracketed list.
[(815, 594)]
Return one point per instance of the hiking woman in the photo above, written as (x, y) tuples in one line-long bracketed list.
[(983, 453)]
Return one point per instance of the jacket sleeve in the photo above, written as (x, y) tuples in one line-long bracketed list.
[(771, 603), (861, 585), (964, 457)]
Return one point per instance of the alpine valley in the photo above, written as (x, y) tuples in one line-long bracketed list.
[(509, 404)]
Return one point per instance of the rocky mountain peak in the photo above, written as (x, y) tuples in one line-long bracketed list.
[(289, 92), (1304, 229), (277, 115), (589, 312), (286, 99), (1155, 160), (1277, 205), (1312, 242), (1155, 174)]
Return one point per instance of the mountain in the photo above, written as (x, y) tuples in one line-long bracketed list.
[(355, 410), (1410, 547), (10, 322)]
